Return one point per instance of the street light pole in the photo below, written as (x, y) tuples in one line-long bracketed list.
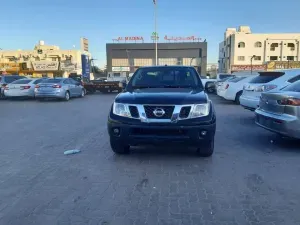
[(251, 62), (155, 29)]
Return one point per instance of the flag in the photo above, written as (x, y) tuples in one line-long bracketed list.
[(154, 1)]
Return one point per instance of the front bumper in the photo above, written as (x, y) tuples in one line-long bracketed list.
[(283, 124), (161, 134), (249, 102)]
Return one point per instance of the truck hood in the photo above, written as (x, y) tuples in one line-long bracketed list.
[(173, 96)]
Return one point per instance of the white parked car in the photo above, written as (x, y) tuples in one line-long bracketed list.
[(22, 88), (232, 89), (266, 82), (210, 84)]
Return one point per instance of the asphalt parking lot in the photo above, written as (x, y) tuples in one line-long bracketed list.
[(253, 177)]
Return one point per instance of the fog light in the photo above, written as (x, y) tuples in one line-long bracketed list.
[(116, 131), (203, 133)]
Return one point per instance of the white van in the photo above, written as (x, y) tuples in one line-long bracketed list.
[(265, 82)]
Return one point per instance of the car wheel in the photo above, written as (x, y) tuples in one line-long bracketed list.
[(237, 97), (82, 93), (206, 149), (209, 88), (119, 148), (67, 96)]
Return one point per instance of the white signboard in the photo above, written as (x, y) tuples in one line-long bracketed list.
[(120, 69), (45, 66), (66, 66), (84, 44)]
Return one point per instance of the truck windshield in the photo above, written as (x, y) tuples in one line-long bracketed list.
[(171, 77)]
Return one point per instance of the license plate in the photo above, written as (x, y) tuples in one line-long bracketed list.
[(106, 87)]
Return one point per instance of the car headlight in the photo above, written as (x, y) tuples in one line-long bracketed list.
[(200, 110), (121, 109)]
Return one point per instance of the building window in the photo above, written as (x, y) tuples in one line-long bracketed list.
[(290, 58), (167, 61), (257, 44), (120, 62), (241, 58), (53, 59), (257, 58), (291, 46), (273, 58), (241, 45), (143, 62), (273, 46)]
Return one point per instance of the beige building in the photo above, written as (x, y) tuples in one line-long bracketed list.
[(43, 60), (241, 48)]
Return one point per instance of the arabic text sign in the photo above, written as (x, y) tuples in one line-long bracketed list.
[(45, 66), (283, 65), (248, 67), (189, 38), (134, 38), (120, 69), (67, 66)]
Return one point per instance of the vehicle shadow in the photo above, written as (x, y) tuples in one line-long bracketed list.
[(175, 153), (285, 143), (16, 99)]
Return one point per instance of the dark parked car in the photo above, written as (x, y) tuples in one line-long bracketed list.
[(163, 105), (7, 79), (279, 112)]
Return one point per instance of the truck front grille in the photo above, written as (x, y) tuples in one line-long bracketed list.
[(149, 110)]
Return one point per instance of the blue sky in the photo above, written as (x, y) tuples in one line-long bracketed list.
[(63, 22)]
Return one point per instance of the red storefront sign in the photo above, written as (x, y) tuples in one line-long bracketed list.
[(189, 38), (248, 67)]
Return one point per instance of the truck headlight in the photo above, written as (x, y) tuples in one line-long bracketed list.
[(200, 110), (121, 109)]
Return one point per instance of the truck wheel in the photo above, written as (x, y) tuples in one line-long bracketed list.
[(119, 148), (237, 97), (206, 149)]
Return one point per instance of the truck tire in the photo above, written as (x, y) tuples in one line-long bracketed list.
[(119, 148), (206, 149)]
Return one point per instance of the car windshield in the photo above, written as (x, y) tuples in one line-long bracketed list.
[(9, 79), (52, 81), (295, 87), (155, 77), (21, 81)]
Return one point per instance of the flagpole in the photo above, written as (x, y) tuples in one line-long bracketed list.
[(155, 29)]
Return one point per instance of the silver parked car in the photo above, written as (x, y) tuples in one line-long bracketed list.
[(7, 79), (279, 111), (61, 88), (22, 88)]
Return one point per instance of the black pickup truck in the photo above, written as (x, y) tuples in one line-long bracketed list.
[(163, 105)]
